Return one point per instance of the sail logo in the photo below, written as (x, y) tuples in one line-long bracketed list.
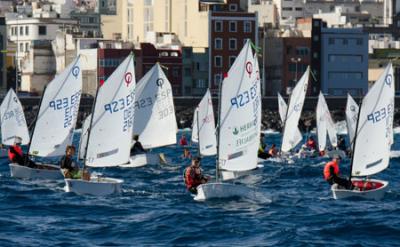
[(297, 107), (128, 78), (235, 131), (249, 68), (15, 99), (160, 82), (388, 80), (75, 71), (352, 108)]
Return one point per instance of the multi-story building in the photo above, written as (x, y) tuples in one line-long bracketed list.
[(289, 11), (286, 59), (377, 63), (3, 48), (89, 23), (342, 56), (169, 58), (195, 71), (229, 28), (266, 11)]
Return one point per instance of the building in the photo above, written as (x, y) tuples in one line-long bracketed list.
[(3, 48), (169, 58), (229, 29), (377, 63), (266, 12), (339, 60), (89, 23), (287, 56), (195, 71), (289, 11)]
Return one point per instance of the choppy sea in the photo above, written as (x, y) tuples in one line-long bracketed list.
[(296, 209)]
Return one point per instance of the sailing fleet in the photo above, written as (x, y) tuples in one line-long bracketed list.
[(123, 109)]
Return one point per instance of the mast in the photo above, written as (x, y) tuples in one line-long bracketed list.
[(354, 141), (286, 115), (36, 118), (218, 131), (198, 132)]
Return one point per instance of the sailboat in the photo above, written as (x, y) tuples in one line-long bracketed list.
[(54, 124), (372, 141), (351, 118), (204, 127), (291, 131), (155, 121), (326, 126), (239, 126), (13, 123), (109, 133)]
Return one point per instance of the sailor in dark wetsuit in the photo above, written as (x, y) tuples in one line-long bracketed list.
[(69, 166), (137, 147)]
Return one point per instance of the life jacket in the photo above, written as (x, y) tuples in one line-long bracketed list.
[(183, 142), (191, 179), (327, 169), (11, 155), (311, 144)]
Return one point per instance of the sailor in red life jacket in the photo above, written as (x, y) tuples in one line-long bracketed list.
[(331, 174), (194, 176), (16, 155), (311, 144), (183, 141)]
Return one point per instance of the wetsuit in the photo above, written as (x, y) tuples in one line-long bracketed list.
[(261, 151), (16, 155), (137, 148)]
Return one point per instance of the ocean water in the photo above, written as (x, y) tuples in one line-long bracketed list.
[(295, 209)]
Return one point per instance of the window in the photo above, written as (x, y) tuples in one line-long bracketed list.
[(26, 30), (217, 79), (26, 47), (298, 9), (232, 26), (218, 26), (21, 30), (188, 72), (21, 47), (231, 60), (302, 51), (316, 23), (287, 9), (233, 7), (247, 27), (232, 44), (315, 55), (42, 30), (175, 72), (218, 44), (331, 41), (345, 41), (359, 41), (316, 38), (201, 83), (218, 61)]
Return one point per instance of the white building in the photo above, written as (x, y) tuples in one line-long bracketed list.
[(289, 10), (267, 12), (382, 41)]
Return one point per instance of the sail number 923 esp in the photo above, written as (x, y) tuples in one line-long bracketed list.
[(380, 114)]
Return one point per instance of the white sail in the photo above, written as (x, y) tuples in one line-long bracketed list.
[(195, 134), (282, 113), (325, 124), (155, 120), (58, 113), (290, 139), (13, 123), (110, 133), (351, 117), (321, 123), (240, 109), (206, 126), (375, 127), (84, 136)]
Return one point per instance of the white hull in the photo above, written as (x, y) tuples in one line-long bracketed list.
[(337, 152), (25, 172), (140, 160), (97, 186), (375, 194), (230, 175), (222, 190)]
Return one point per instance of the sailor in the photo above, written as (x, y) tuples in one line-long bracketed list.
[(311, 145), (137, 147), (183, 141), (342, 144), (16, 155), (194, 176), (68, 165), (331, 174), (261, 149), (186, 154), (272, 151)]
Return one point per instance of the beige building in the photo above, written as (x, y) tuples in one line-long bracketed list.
[(135, 20)]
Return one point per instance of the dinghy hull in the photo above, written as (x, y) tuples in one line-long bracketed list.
[(97, 186), (230, 175), (210, 191), (372, 189), (140, 160), (52, 173)]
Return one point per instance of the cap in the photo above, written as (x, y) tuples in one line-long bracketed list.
[(196, 158), (17, 140)]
